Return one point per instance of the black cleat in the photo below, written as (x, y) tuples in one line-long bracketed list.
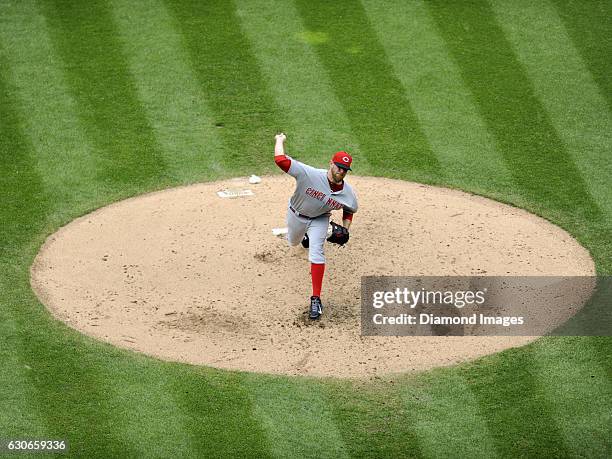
[(316, 308), (305, 241)]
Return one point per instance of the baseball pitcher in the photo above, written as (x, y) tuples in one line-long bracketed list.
[(317, 193)]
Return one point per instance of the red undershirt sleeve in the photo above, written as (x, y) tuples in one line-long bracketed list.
[(347, 216), (283, 162)]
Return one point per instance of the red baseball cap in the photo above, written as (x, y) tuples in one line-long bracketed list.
[(343, 160)]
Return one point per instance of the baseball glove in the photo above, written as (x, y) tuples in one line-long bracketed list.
[(339, 235)]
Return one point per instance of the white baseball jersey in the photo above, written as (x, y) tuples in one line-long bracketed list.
[(313, 196)]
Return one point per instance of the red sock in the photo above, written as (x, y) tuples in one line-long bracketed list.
[(316, 271)]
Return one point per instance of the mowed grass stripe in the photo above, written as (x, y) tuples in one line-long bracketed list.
[(63, 379), (296, 416), (24, 204), (168, 90), (373, 419), (566, 89), (74, 385), (218, 413), (61, 153), (542, 169), (231, 81), (109, 109), (313, 118), (375, 101), (446, 416), (147, 412), (577, 386), (589, 24), (435, 89), (520, 418), (19, 414), (23, 210)]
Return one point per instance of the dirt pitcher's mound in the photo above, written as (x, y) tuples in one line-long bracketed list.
[(187, 275)]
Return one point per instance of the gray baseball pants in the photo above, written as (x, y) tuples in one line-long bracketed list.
[(316, 228)]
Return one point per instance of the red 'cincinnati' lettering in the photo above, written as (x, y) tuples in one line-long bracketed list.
[(335, 205), (315, 194)]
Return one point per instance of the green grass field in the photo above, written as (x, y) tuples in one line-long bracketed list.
[(101, 100)]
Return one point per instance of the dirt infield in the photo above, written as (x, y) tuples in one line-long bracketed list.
[(186, 275)]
